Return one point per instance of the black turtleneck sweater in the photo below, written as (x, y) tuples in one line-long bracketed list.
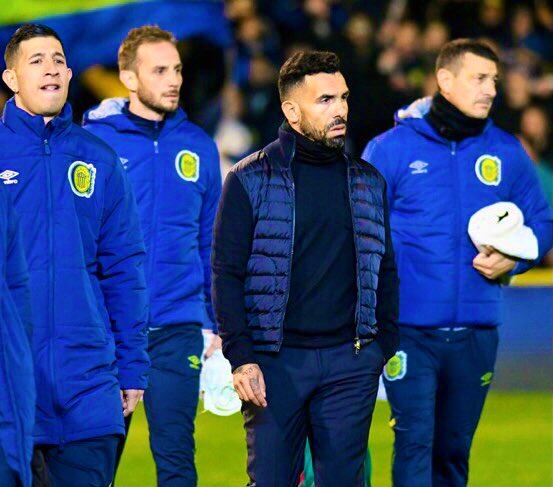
[(450, 122), (323, 289)]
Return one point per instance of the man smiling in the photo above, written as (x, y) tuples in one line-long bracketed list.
[(305, 286), (85, 252)]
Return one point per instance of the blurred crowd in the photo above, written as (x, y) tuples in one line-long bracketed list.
[(388, 49)]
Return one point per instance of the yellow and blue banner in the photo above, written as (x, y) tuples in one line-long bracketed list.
[(92, 30)]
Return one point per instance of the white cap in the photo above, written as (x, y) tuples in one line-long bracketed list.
[(219, 395), (501, 226)]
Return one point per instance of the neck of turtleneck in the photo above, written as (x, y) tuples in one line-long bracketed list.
[(450, 122), (310, 152)]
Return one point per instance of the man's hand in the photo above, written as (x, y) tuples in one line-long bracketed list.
[(492, 264), (249, 384), (216, 343), (129, 400)]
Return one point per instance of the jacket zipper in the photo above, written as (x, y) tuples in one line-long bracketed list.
[(357, 340), (51, 279), (291, 258), (154, 219), (456, 170)]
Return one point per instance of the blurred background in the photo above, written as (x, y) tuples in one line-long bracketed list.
[(231, 53)]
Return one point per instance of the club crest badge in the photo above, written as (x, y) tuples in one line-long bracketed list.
[(488, 170), (396, 368), (187, 164), (82, 177)]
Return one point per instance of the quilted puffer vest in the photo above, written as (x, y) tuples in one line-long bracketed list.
[(267, 178)]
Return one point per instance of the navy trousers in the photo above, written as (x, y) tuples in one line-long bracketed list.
[(437, 384), (8, 477), (171, 401), (89, 462), (326, 395)]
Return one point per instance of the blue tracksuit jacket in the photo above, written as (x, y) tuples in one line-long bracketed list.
[(434, 187), (17, 384), (177, 181), (85, 254)]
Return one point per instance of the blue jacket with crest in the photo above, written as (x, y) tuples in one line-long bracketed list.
[(85, 253), (434, 187), (176, 178)]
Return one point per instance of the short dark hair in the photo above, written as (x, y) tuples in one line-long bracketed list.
[(452, 53), (24, 33), (305, 63)]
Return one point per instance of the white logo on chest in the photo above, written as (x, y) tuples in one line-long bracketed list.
[(8, 175), (419, 167)]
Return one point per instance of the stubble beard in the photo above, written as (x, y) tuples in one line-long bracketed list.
[(321, 135), (148, 100)]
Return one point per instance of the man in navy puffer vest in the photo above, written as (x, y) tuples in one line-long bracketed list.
[(85, 252), (305, 286), (445, 160), (173, 166)]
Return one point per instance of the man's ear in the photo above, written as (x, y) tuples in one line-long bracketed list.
[(445, 80), (291, 111), (129, 79), (10, 78)]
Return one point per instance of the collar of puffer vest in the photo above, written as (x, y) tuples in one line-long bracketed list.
[(283, 149)]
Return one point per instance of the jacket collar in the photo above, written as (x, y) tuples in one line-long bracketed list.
[(283, 149), (22, 122), (414, 117), (112, 112)]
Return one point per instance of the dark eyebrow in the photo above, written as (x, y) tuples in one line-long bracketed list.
[(41, 54), (326, 95), (168, 66)]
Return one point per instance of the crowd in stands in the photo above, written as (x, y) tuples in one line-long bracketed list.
[(388, 50)]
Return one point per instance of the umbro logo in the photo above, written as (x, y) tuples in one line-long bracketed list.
[(419, 167), (8, 176)]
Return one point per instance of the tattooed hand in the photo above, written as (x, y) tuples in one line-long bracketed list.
[(249, 384)]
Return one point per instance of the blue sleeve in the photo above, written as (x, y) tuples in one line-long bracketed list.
[(528, 196), (375, 154), (17, 276), (207, 216), (121, 274)]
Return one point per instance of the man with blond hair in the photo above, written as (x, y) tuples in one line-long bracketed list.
[(173, 167)]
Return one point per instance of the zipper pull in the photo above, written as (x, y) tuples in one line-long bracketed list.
[(156, 149), (357, 345), (47, 147)]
